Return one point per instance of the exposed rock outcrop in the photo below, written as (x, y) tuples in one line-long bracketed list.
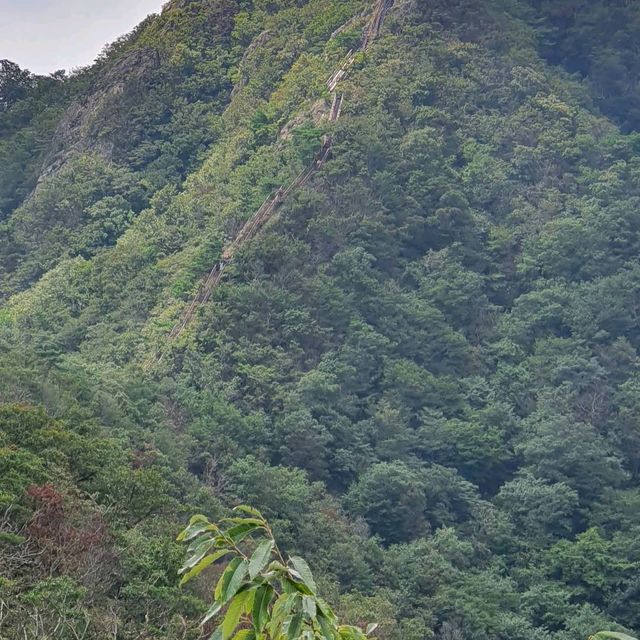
[(84, 125)]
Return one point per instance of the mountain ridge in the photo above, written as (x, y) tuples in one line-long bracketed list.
[(424, 370)]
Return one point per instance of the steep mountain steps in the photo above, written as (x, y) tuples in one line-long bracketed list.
[(273, 202)]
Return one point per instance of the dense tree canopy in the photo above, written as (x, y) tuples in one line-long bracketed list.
[(424, 370)]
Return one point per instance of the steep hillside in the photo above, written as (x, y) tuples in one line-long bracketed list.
[(423, 366)]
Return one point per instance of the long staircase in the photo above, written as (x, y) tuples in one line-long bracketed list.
[(253, 226)]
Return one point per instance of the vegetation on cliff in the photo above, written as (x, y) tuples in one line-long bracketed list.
[(424, 371)]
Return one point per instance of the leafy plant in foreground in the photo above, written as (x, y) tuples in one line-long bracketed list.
[(263, 594)]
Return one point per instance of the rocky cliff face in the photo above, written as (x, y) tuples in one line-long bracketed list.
[(98, 122)]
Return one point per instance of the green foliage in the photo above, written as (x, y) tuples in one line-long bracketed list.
[(423, 371), (259, 587), (390, 498), (591, 39), (30, 107)]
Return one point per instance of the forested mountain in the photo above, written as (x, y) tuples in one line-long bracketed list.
[(423, 369)]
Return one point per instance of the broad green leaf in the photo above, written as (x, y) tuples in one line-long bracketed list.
[(309, 607), (325, 610), (241, 531), (195, 530), (255, 521), (198, 553), (213, 611), (250, 593), (304, 571), (203, 564), (217, 538), (284, 604), (326, 627), (245, 634), (233, 615), (198, 541), (295, 626), (245, 508), (349, 632), (281, 609), (611, 635), (288, 586), (371, 628), (261, 603), (217, 634), (297, 585), (260, 558), (226, 577), (345, 633), (233, 584)]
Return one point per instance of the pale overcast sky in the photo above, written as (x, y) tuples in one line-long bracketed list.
[(46, 35)]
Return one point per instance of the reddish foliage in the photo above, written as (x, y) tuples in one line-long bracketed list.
[(75, 542)]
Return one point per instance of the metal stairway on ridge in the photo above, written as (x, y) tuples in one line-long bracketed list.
[(252, 227)]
